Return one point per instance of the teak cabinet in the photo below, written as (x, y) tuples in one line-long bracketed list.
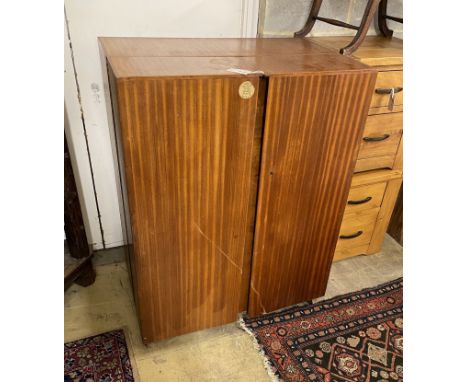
[(236, 158)]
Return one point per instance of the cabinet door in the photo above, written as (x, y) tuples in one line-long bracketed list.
[(313, 128), (191, 149)]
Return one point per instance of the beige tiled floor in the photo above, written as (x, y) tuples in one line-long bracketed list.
[(219, 354)]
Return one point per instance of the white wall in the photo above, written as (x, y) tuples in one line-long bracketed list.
[(85, 101)]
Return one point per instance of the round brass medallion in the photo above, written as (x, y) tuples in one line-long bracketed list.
[(246, 90)]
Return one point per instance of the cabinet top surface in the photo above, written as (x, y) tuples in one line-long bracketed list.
[(174, 57), (374, 50)]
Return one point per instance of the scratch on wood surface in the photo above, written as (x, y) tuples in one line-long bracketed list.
[(259, 298), (217, 247)]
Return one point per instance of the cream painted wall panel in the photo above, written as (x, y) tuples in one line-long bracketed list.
[(88, 19), (77, 147)]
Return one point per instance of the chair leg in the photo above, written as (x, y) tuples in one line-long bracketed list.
[(367, 18), (87, 276), (383, 20), (314, 11)]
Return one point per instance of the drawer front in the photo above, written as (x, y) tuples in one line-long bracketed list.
[(356, 229), (374, 163), (346, 252), (382, 135), (365, 197), (387, 80), (380, 142)]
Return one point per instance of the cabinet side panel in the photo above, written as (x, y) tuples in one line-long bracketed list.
[(385, 213), (117, 151), (313, 127), (188, 147)]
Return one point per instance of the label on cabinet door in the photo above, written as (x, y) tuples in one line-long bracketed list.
[(244, 71), (246, 90)]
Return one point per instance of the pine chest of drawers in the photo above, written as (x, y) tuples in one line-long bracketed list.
[(378, 172)]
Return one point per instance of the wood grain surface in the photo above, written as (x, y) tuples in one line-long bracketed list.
[(208, 47), (312, 132), (287, 63), (175, 57), (376, 176), (393, 181), (189, 149), (372, 163), (345, 252), (365, 197), (378, 126), (363, 221), (374, 50), (379, 161), (381, 154), (384, 110), (385, 213), (388, 79)]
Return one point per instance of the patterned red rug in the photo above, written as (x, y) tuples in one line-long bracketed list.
[(101, 358), (356, 337)]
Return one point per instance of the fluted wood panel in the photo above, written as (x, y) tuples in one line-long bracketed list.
[(191, 152), (313, 128)]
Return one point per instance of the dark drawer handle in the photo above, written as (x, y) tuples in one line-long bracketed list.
[(388, 90), (362, 201), (352, 236), (376, 139)]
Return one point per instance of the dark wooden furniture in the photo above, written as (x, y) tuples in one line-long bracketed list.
[(383, 17), (362, 29), (79, 271), (233, 185), (367, 18), (78, 268), (395, 227)]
